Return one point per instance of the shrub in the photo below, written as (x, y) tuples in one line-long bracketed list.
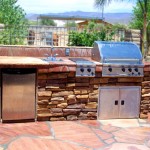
[(93, 32)]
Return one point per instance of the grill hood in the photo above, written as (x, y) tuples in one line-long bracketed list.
[(119, 59), (116, 53)]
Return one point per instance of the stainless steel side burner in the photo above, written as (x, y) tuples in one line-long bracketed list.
[(118, 58), (85, 68)]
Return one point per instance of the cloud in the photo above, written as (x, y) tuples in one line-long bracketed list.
[(50, 6)]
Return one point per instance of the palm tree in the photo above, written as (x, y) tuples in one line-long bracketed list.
[(144, 7)]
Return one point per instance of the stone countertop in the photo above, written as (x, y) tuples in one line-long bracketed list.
[(23, 62), (52, 66)]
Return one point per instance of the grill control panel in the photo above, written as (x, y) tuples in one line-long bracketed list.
[(128, 71), (85, 71), (85, 68)]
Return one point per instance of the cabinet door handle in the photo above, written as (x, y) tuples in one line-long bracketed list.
[(116, 102), (122, 102)]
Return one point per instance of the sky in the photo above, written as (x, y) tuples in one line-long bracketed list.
[(58, 6)]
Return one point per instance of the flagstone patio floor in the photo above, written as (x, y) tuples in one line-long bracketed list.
[(121, 134)]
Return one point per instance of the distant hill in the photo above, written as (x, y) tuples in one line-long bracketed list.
[(123, 18)]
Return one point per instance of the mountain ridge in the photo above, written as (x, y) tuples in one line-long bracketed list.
[(122, 18)]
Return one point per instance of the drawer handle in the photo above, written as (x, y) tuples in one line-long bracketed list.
[(122, 102), (116, 102)]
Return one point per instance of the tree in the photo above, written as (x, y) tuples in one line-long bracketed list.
[(143, 4), (137, 20), (48, 22), (13, 18)]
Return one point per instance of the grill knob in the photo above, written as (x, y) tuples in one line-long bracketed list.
[(110, 69), (92, 73), (129, 69), (136, 69), (123, 69), (82, 69), (89, 69)]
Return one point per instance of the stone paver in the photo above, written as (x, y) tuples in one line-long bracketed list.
[(123, 123), (76, 135), (42, 144), (148, 143), (92, 123), (110, 141), (133, 135), (121, 146), (13, 130), (102, 134)]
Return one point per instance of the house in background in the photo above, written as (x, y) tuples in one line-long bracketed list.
[(83, 24), (82, 21)]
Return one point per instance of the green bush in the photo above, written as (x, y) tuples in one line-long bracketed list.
[(93, 32), (15, 23), (13, 35)]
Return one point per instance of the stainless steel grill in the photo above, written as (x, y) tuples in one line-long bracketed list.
[(85, 67), (118, 58)]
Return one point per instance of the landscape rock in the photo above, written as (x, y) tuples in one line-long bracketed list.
[(70, 85), (44, 115), (82, 116), (72, 117), (81, 91), (62, 105), (91, 105), (51, 106), (44, 93), (76, 106), (71, 111), (82, 96), (57, 99), (57, 119), (91, 114), (56, 110), (56, 114), (62, 93)]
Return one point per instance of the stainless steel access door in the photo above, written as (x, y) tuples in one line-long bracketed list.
[(108, 103), (119, 102), (129, 102), (18, 96)]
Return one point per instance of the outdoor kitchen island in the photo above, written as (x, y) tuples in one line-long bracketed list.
[(74, 94), (64, 96)]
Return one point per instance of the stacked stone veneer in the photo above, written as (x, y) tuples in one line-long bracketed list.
[(145, 100), (62, 96)]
